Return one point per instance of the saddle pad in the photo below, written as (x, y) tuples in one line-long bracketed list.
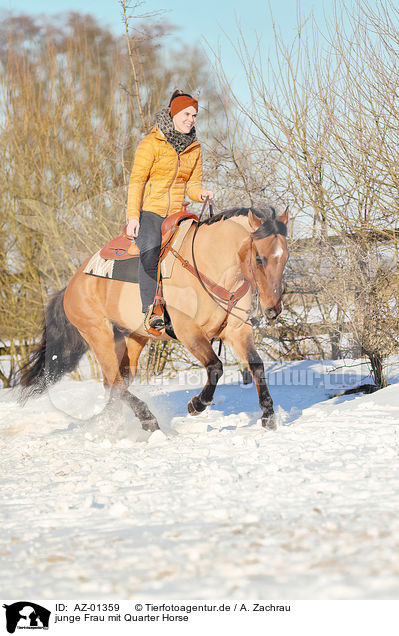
[(169, 260), (126, 270)]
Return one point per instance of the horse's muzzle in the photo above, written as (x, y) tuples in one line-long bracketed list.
[(271, 313)]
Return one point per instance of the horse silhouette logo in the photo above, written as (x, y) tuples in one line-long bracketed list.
[(26, 615)]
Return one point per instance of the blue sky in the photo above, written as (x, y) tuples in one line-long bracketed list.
[(203, 21), (204, 18)]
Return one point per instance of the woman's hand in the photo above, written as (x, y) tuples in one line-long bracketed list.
[(132, 228), (207, 193)]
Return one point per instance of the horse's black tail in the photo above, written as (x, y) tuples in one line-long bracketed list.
[(58, 352)]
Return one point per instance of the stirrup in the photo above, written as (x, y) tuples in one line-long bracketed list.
[(153, 323)]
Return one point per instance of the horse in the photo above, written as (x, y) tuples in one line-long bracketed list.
[(241, 252)]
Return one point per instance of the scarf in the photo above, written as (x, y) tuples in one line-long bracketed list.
[(179, 141)]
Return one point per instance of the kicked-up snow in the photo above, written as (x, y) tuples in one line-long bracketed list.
[(211, 507)]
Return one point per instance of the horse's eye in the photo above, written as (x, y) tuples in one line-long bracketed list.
[(260, 261)]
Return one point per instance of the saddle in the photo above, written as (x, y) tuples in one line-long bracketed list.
[(120, 248), (124, 246), (170, 225)]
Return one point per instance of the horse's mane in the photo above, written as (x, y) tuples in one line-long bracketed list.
[(270, 225)]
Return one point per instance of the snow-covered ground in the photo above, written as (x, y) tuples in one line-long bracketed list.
[(212, 506)]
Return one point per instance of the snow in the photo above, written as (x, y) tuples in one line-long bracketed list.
[(211, 506)]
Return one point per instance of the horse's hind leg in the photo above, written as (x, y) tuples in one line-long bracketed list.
[(134, 346), (199, 346), (122, 355), (128, 349), (101, 340), (241, 340)]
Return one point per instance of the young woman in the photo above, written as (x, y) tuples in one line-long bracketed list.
[(167, 165)]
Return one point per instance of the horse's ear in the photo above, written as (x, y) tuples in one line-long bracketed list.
[(254, 221), (283, 218)]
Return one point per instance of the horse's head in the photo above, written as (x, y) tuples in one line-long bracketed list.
[(263, 259)]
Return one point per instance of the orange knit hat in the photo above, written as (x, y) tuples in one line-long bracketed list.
[(180, 102)]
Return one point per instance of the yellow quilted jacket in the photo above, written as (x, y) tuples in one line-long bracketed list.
[(161, 178)]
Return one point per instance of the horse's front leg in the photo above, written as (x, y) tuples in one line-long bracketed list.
[(241, 340), (214, 370), (196, 342), (265, 400)]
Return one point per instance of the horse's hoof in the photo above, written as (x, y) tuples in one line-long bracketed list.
[(150, 425), (269, 422), (191, 408), (195, 406)]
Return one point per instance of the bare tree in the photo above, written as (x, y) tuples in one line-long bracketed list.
[(326, 111), (70, 127)]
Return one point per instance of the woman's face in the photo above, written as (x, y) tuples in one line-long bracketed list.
[(185, 119)]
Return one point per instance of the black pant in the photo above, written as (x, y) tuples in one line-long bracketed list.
[(149, 242)]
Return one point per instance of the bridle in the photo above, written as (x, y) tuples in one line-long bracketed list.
[(221, 295)]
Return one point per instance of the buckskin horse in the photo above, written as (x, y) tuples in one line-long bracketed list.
[(223, 262)]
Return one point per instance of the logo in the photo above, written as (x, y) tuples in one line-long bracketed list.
[(26, 615)]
